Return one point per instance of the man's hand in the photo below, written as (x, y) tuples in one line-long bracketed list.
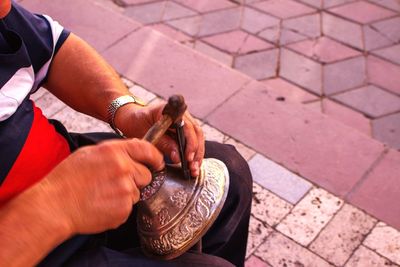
[(95, 188), (135, 121)]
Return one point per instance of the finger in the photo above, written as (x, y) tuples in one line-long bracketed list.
[(191, 138), (141, 175), (145, 153), (168, 146)]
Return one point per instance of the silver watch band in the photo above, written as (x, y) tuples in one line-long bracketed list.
[(116, 104)]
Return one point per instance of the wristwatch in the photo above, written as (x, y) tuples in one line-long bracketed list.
[(116, 104)]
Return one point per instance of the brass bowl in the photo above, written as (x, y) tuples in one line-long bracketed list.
[(175, 218)]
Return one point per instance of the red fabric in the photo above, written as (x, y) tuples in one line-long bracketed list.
[(44, 148)]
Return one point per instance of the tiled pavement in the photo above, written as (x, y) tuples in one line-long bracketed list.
[(324, 194)]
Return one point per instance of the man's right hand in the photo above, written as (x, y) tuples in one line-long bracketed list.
[(95, 188)]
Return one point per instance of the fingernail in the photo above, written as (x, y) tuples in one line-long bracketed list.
[(174, 156), (191, 156)]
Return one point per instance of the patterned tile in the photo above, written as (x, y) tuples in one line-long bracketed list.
[(342, 30), (147, 13), (272, 34), (374, 39), (389, 28), (309, 216), (365, 257), (324, 50), (171, 32), (387, 130), (386, 241), (309, 25), (267, 207), (206, 5), (258, 233), (301, 70), (175, 11), (288, 36), (290, 92), (279, 250), (220, 21), (366, 12), (277, 179), (384, 74), (259, 65), (314, 3), (391, 53), (214, 53), (391, 4), (370, 100), (343, 235), (190, 26), (283, 8), (255, 21), (343, 75), (332, 3)]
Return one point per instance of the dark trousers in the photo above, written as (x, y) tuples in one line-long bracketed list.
[(223, 245)]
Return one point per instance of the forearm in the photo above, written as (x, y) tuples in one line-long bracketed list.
[(81, 78), (29, 229)]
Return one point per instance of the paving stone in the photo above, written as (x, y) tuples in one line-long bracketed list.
[(315, 106), (347, 116), (254, 21), (287, 91), (253, 261), (296, 137), (370, 100), (206, 5), (49, 104), (366, 12), (259, 65), (342, 30), (314, 3), (87, 19), (309, 25), (277, 179), (387, 130), (343, 75), (301, 70), (290, 36), (268, 207), (386, 241), (375, 39), (283, 8), (171, 32), (220, 21), (344, 233), (332, 3), (392, 4), (237, 42), (324, 50), (279, 250), (175, 11), (80, 123), (384, 74), (212, 134), (190, 26), (390, 28), (378, 194), (246, 152), (391, 53), (365, 257), (272, 34), (214, 53), (258, 233), (142, 93), (309, 216), (147, 13), (146, 52)]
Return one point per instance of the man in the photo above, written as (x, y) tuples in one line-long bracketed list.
[(59, 203)]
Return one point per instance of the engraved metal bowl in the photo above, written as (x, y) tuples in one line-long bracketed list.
[(175, 218)]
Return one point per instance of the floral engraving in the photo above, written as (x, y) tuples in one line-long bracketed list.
[(163, 216), (179, 199)]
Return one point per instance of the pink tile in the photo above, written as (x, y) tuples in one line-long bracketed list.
[(283, 8), (370, 100), (307, 143), (190, 26), (308, 25), (254, 21), (206, 5), (253, 261), (171, 32), (315, 106), (343, 75), (220, 21), (375, 39), (271, 34), (347, 116), (324, 50), (332, 3), (237, 42), (314, 3), (342, 30), (259, 65), (301, 70), (389, 28), (290, 92), (366, 12), (214, 53), (387, 130), (146, 13), (166, 67), (88, 20), (391, 53), (384, 74), (175, 11), (391, 4), (134, 2), (378, 194)]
